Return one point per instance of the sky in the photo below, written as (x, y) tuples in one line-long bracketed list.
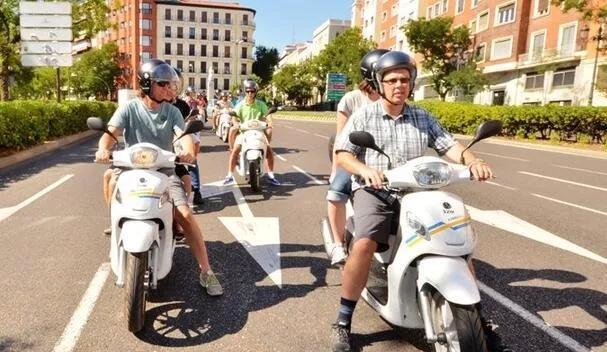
[(282, 22)]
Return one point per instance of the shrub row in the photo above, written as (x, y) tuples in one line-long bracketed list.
[(544, 122), (26, 123)]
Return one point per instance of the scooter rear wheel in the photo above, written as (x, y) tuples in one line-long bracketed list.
[(254, 176), (134, 288), (461, 325)]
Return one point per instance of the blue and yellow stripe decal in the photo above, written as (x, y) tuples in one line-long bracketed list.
[(439, 227), (145, 193)]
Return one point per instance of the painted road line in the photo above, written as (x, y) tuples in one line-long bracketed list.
[(510, 223), (583, 170), (532, 319), (498, 185), (569, 204), (74, 328), (6, 212), (501, 156), (564, 181), (321, 136), (314, 179), (280, 157), (300, 130)]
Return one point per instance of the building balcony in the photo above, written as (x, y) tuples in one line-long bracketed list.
[(553, 55), (248, 23)]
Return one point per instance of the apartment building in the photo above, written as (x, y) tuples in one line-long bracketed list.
[(326, 32), (207, 40)]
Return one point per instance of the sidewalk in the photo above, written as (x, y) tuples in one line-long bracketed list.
[(44, 148)]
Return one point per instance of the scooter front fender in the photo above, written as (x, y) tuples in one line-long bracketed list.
[(253, 154), (138, 236), (451, 277)]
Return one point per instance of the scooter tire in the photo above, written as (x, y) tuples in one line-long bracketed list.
[(135, 292), (468, 325), (254, 176)]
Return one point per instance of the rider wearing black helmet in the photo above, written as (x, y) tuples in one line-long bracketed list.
[(404, 132), (151, 118), (341, 184)]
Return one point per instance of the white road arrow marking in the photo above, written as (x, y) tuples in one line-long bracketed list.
[(259, 236), (510, 223)]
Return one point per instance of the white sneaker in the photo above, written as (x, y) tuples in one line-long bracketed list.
[(338, 255)]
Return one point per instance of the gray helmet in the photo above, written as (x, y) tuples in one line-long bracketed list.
[(154, 71), (225, 93), (249, 84), (391, 61), (367, 63)]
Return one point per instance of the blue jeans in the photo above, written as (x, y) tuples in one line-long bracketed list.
[(195, 174), (341, 187)]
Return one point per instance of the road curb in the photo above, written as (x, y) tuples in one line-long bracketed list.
[(44, 148)]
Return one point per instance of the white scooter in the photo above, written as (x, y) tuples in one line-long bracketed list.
[(424, 280), (142, 242), (223, 124), (250, 164)]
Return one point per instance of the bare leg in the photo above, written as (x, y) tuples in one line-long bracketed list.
[(234, 158), (356, 271), (187, 185), (270, 159), (193, 236), (232, 137), (336, 212)]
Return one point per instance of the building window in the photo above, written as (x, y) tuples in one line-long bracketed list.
[(567, 41), (191, 66), (228, 18), (505, 14), (179, 15), (226, 52), (243, 53), (479, 52), (192, 33), (179, 49), (146, 24), (534, 81), (167, 31), (542, 7), (146, 40), (167, 61), (203, 50), (167, 48), (383, 35), (192, 16), (243, 69), (384, 16), (203, 18), (203, 33), (215, 83), (483, 21), (227, 36), (145, 56), (179, 32), (459, 7), (203, 67), (180, 65), (167, 14), (245, 20), (445, 5), (475, 3), (215, 51), (215, 67), (563, 77), (226, 84), (226, 67), (502, 49), (216, 17), (192, 50), (537, 48), (215, 34), (245, 36), (203, 83), (191, 82), (146, 8)]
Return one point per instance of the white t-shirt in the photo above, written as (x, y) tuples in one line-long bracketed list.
[(352, 101)]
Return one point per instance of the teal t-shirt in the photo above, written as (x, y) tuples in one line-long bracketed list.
[(255, 111), (141, 124)]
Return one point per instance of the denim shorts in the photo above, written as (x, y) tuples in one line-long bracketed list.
[(341, 187)]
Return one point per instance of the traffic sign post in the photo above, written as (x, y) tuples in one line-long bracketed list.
[(336, 86), (46, 35)]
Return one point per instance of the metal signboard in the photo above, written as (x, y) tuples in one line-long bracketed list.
[(35, 34), (47, 48), (38, 60), (336, 85), (42, 7), (45, 21)]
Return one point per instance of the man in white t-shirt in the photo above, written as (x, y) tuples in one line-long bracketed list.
[(341, 184)]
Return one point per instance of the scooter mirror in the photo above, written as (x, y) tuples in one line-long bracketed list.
[(272, 110), (95, 124), (194, 112), (193, 127), (233, 114), (488, 129), (366, 140)]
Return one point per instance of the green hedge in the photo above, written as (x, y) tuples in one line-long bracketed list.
[(26, 123), (543, 122)]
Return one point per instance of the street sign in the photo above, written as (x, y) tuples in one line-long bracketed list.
[(59, 8), (55, 60), (34, 34), (45, 21), (336, 85), (47, 48)]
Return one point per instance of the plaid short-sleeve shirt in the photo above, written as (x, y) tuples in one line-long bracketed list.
[(404, 138)]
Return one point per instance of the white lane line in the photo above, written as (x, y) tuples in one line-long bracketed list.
[(501, 156), (302, 131), (280, 157), (564, 181), (6, 212), (321, 136), (533, 320), (498, 185), (569, 204), (314, 179), (584, 170), (245, 211), (74, 328)]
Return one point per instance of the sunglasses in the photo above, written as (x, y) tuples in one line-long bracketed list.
[(393, 81), (250, 91), (163, 84)]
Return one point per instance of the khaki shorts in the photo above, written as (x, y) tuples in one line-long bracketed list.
[(373, 218)]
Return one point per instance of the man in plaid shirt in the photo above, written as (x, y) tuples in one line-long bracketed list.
[(404, 132)]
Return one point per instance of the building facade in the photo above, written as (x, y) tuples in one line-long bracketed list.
[(326, 32), (212, 42)]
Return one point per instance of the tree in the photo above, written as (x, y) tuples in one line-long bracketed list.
[(9, 44), (444, 51), (293, 82), (591, 10), (96, 71), (265, 61), (90, 17)]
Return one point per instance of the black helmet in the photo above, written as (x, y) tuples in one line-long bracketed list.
[(249, 84), (154, 70), (366, 64), (391, 61)]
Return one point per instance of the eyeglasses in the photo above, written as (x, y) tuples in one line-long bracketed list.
[(163, 84), (250, 91), (393, 81)]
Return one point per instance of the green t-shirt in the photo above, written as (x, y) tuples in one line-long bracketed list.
[(141, 124), (255, 111)]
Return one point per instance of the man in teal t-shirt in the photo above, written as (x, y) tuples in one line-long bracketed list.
[(250, 109)]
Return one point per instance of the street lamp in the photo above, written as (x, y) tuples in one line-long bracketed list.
[(598, 37)]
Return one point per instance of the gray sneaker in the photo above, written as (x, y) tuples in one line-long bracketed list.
[(340, 338), (210, 282)]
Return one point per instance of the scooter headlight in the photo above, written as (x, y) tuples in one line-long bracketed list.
[(432, 174), (164, 199), (144, 157), (416, 225)]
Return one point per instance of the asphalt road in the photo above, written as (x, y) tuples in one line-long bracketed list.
[(543, 292)]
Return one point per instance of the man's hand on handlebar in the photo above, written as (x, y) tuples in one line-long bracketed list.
[(102, 156), (373, 178)]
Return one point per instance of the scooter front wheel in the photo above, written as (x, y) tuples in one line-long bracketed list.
[(134, 287), (461, 326), (254, 175)]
